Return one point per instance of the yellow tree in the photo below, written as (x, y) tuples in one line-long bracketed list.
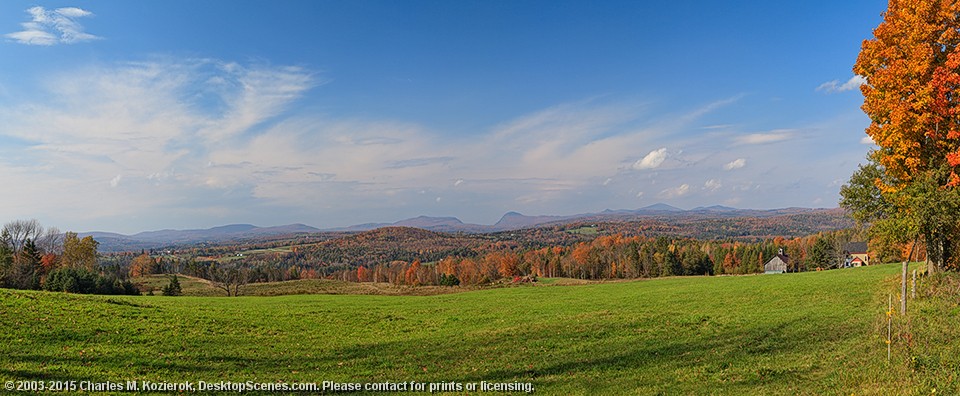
[(79, 253)]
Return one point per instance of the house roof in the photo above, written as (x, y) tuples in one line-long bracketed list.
[(856, 247)]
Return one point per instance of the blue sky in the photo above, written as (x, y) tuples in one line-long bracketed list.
[(130, 116)]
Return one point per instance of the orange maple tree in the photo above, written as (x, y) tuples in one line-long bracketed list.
[(911, 72), (411, 274)]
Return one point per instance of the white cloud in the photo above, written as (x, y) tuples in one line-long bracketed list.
[(712, 185), (835, 86), (158, 125), (197, 138), (735, 164), (73, 12), (718, 127), (866, 140), (764, 138), (253, 94), (652, 160), (675, 192), (579, 140), (184, 133), (49, 27)]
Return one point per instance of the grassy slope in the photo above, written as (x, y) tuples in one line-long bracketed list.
[(932, 359), (801, 333), (198, 287)]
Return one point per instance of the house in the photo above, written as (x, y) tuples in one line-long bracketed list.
[(778, 264), (856, 254)]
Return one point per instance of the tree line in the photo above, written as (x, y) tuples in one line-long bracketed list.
[(613, 257), (602, 257), (66, 262), (35, 257)]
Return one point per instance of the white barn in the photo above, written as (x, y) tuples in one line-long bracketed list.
[(777, 265)]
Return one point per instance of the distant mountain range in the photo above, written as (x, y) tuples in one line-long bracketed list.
[(113, 242)]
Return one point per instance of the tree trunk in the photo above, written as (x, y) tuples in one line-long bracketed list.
[(935, 249)]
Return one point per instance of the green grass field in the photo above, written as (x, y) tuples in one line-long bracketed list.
[(196, 287), (585, 230), (809, 333)]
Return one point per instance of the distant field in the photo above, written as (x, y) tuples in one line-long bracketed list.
[(189, 285), (809, 333), (197, 287), (587, 230), (253, 252)]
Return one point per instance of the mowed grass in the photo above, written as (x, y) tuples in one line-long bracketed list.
[(809, 333), (197, 287)]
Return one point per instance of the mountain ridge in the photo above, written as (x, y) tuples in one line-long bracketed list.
[(508, 222)]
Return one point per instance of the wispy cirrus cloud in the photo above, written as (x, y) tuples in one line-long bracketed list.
[(764, 138), (51, 27), (191, 141), (835, 86), (138, 135)]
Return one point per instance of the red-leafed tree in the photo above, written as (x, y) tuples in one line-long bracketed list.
[(363, 274), (48, 262)]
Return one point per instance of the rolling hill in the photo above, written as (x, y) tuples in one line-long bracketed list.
[(809, 333), (763, 223), (113, 242)]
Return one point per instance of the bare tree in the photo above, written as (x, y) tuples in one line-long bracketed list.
[(18, 232), (228, 279), (841, 241), (51, 241)]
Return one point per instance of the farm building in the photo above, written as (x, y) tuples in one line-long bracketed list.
[(856, 254), (777, 265)]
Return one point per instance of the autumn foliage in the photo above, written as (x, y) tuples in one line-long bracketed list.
[(911, 69), (912, 76), (142, 265), (604, 257)]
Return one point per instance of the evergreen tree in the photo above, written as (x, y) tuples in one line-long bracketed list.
[(173, 288), (25, 273)]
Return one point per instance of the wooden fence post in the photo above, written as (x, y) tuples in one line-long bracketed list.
[(913, 288), (903, 290)]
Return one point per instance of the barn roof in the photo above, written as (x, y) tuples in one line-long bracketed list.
[(782, 257), (856, 247)]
